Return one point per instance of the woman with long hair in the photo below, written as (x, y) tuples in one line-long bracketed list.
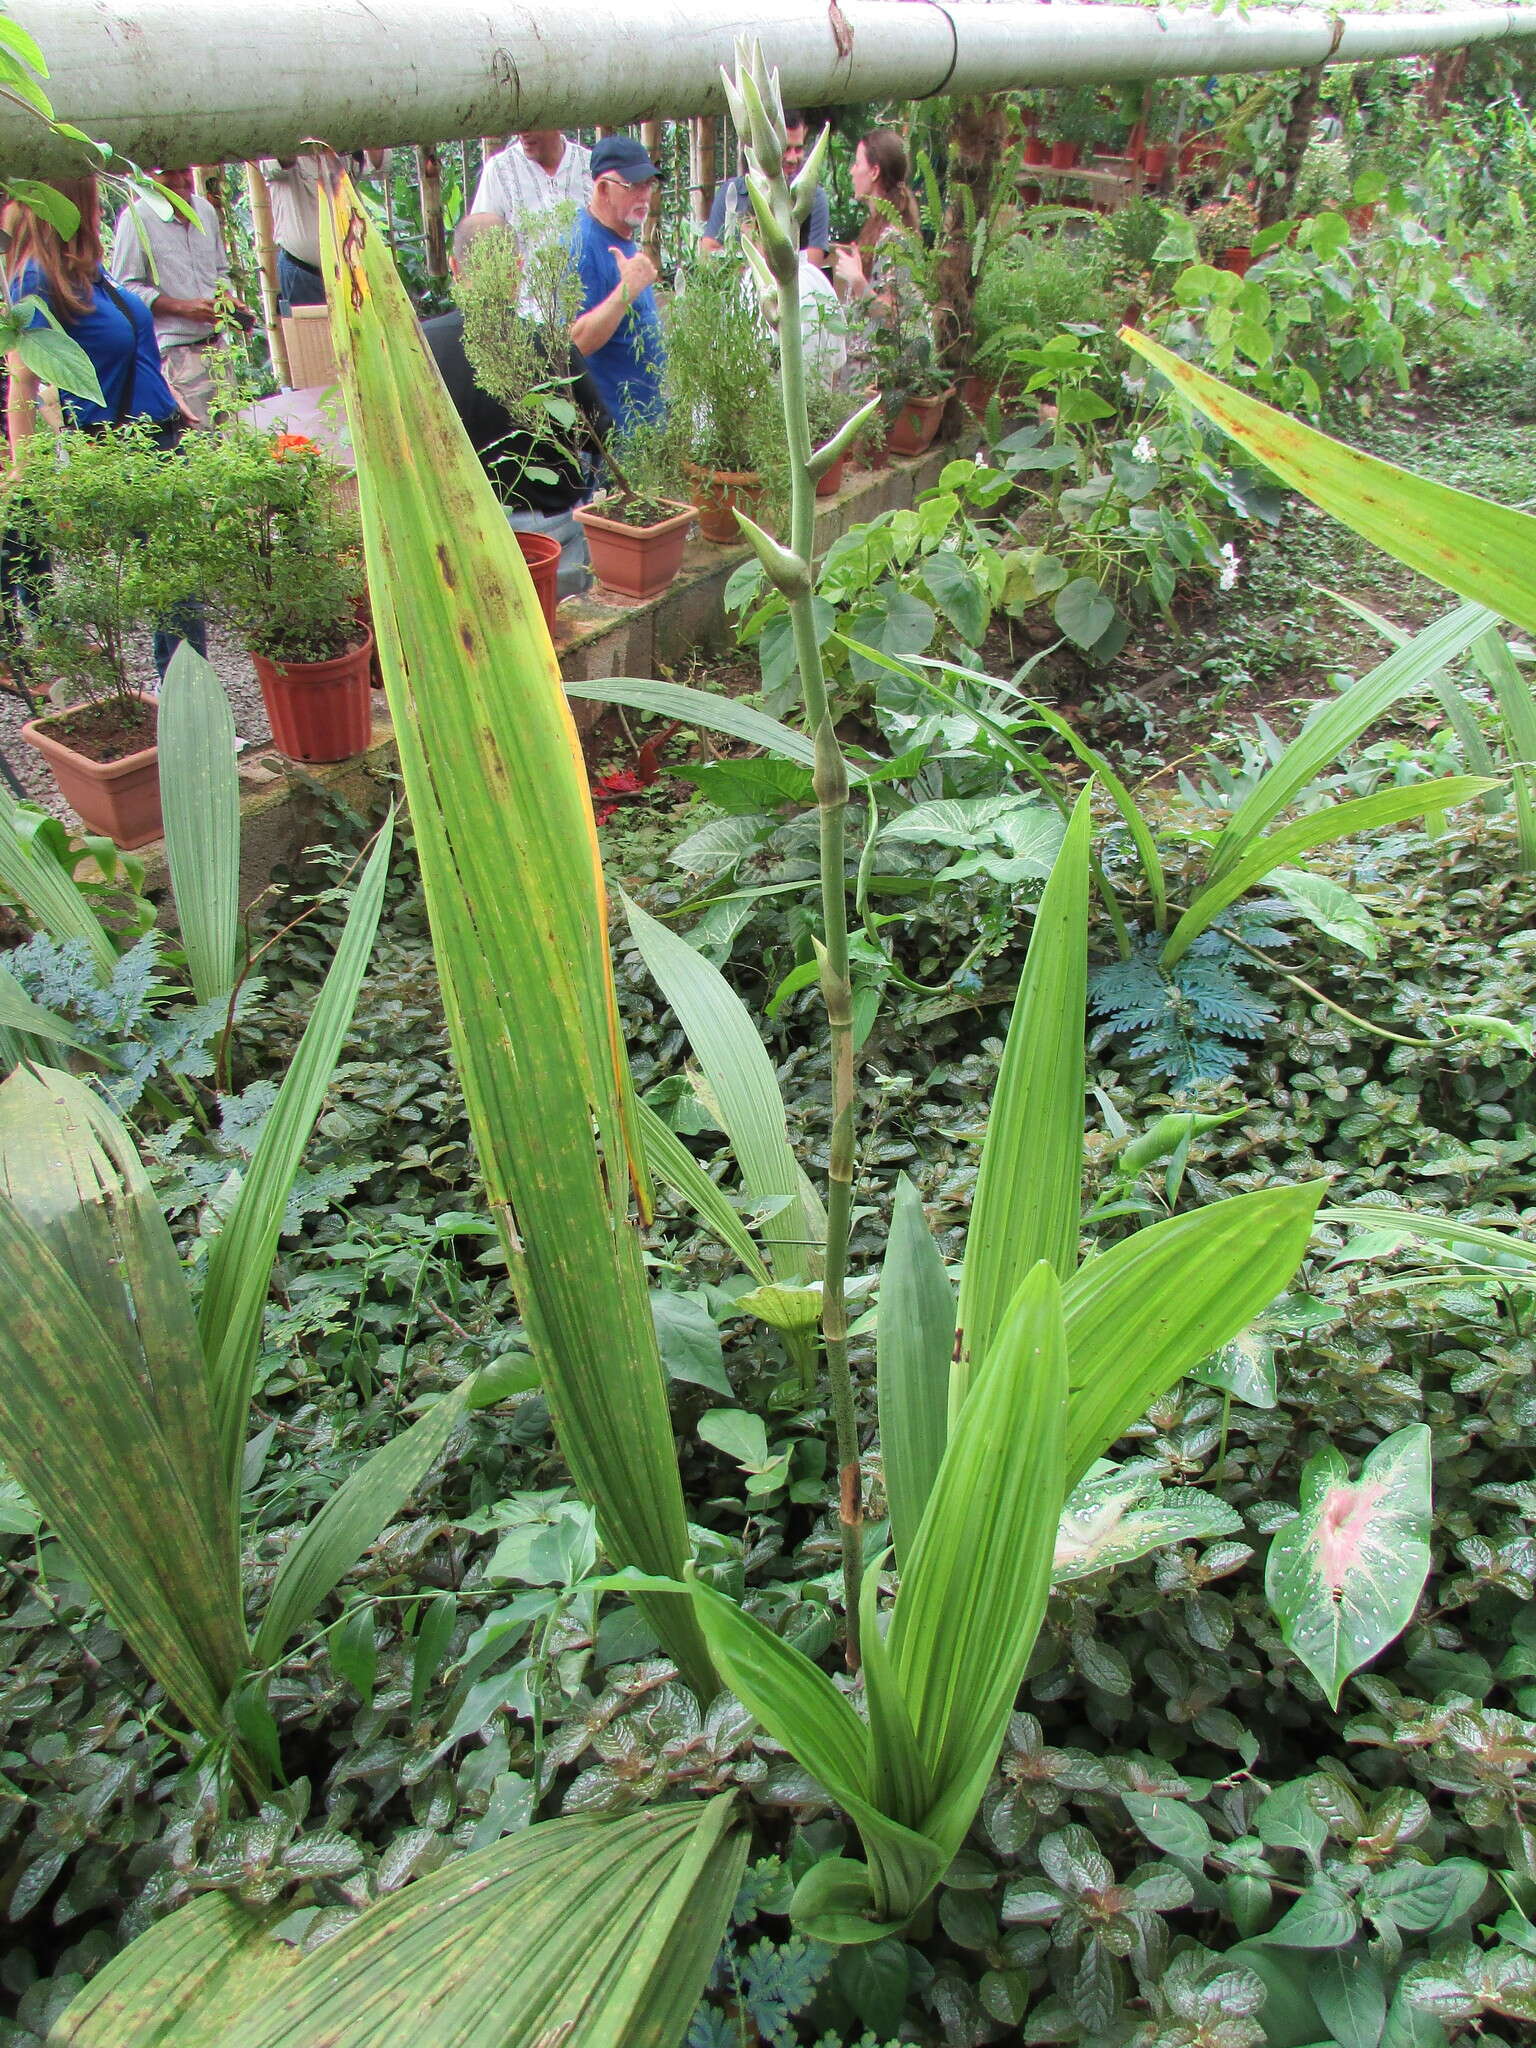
[(880, 185), (872, 274), (117, 333)]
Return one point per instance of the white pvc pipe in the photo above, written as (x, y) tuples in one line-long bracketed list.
[(176, 81)]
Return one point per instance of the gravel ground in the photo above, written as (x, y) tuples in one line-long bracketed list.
[(229, 659)]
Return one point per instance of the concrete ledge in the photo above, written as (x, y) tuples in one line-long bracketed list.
[(281, 803)]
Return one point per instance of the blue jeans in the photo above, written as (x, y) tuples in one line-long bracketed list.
[(297, 284), (184, 623)]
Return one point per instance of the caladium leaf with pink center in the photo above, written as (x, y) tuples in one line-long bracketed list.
[(1346, 1575)]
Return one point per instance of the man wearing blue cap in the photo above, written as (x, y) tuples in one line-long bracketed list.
[(619, 330)]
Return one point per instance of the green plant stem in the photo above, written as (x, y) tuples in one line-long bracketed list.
[(830, 783)]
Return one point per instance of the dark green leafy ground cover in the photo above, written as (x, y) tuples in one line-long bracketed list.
[(1174, 1785)]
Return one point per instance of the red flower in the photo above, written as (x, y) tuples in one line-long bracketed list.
[(292, 444), (624, 783)]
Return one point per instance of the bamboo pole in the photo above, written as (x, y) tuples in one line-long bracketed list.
[(203, 80), (650, 138), (429, 182), (701, 165), (266, 272)]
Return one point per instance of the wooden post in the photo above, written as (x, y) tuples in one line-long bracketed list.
[(650, 138), (701, 165), (266, 271), (429, 180)]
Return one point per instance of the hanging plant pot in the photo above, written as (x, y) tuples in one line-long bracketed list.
[(541, 551), (916, 424), (830, 481), (635, 561), (1035, 150), (319, 710), (1236, 260), (1154, 161), (1064, 155), (118, 797), (717, 493)]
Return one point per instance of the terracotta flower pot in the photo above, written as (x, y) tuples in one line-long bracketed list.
[(319, 710), (1360, 217), (1236, 260), (831, 480), (916, 424), (635, 561), (1035, 150), (717, 493), (976, 394), (1064, 155), (119, 799), (1154, 161), (541, 551)]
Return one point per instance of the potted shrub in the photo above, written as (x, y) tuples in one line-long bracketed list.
[(517, 305), (637, 530), (723, 421), (1079, 124), (282, 565), (1157, 132), (1224, 233), (112, 528)]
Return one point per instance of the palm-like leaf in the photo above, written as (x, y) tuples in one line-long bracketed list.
[(581, 1933), (200, 797), (513, 882)]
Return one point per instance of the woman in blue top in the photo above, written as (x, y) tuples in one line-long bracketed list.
[(117, 332)]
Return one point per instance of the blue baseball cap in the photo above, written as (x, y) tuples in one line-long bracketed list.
[(620, 156)]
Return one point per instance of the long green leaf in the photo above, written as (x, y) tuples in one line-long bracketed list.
[(743, 1089), (362, 1507), (800, 1706), (1477, 756), (104, 1411), (701, 708), (180, 1985), (582, 1933), (1437, 1229), (1317, 828), (240, 1262), (974, 1590), (1029, 1187), (675, 1167), (1517, 708), (513, 883), (1336, 723), (1119, 796), (1142, 1314), (32, 877), (1478, 549), (915, 1343), (200, 797)]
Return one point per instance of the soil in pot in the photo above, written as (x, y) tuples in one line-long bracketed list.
[(634, 561), (717, 493), (106, 765), (541, 551), (319, 710)]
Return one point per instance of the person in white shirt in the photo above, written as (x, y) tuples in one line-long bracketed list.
[(537, 170), (540, 172), (177, 266)]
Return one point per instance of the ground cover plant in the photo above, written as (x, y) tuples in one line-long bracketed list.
[(1165, 1821)]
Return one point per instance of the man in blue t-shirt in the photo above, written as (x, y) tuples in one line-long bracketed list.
[(619, 329), (732, 206)]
